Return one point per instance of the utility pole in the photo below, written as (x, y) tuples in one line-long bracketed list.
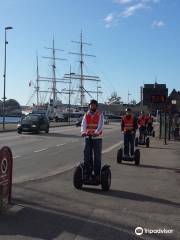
[(4, 95), (141, 96), (37, 81), (69, 107), (83, 77)]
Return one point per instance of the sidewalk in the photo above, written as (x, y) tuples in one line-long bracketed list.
[(146, 196)]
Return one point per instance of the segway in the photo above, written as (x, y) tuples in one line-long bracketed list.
[(128, 158), (150, 131), (80, 177), (121, 157), (143, 139)]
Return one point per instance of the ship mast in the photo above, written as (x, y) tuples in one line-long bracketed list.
[(83, 77), (54, 79)]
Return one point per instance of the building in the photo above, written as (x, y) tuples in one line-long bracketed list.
[(174, 101), (155, 96)]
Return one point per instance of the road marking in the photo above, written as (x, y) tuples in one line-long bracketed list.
[(112, 147), (50, 174), (74, 141), (40, 150), (61, 144), (64, 130), (61, 169), (16, 157)]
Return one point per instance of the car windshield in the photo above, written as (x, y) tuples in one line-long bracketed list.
[(31, 118)]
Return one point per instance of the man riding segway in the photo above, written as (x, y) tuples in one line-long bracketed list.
[(149, 120), (91, 129), (90, 172), (128, 127), (142, 123)]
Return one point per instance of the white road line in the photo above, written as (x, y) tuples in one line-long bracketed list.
[(40, 150), (16, 157), (59, 170), (74, 141), (64, 130), (61, 144), (112, 147)]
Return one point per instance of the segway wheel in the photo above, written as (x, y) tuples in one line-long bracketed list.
[(137, 157), (136, 142), (120, 155), (147, 142), (77, 178), (106, 179), (153, 133)]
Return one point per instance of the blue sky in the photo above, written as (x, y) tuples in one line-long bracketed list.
[(135, 42)]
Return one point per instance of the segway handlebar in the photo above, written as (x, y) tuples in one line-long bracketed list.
[(90, 135)]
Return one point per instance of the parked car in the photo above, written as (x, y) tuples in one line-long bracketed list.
[(33, 123)]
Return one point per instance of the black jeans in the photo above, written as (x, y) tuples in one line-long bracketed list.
[(142, 132), (92, 150), (129, 143)]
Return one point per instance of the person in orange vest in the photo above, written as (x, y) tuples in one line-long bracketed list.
[(128, 127), (142, 124), (92, 125), (149, 120)]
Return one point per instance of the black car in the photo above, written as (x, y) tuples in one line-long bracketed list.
[(33, 123)]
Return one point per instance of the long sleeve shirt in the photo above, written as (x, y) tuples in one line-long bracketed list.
[(99, 126)]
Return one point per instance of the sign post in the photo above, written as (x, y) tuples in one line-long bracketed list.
[(6, 164)]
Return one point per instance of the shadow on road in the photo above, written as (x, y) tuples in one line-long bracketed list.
[(152, 167), (45, 223), (132, 196), (163, 148)]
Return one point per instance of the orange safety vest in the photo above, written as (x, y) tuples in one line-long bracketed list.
[(128, 123), (92, 122), (149, 119), (142, 121)]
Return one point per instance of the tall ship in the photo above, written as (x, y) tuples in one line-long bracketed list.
[(72, 85)]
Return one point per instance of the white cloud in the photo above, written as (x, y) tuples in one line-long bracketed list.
[(124, 1), (158, 24), (129, 11), (109, 18)]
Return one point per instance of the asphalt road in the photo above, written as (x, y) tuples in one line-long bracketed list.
[(37, 156), (48, 206)]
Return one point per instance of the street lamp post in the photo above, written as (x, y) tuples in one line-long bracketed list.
[(4, 76)]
